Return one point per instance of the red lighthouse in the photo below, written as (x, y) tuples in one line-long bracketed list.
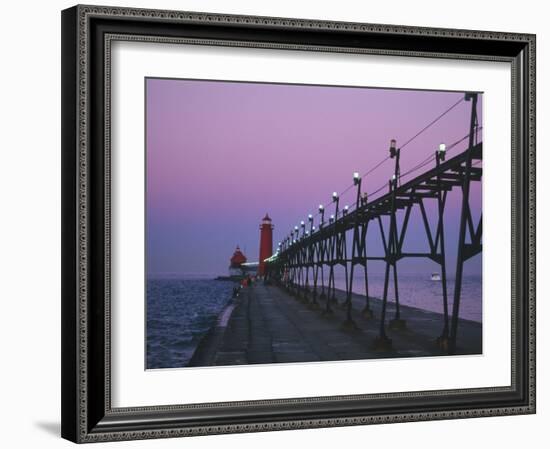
[(266, 243)]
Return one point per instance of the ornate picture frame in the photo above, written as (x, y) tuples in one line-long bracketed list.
[(87, 35)]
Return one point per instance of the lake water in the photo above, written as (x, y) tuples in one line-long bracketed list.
[(418, 290), (180, 311)]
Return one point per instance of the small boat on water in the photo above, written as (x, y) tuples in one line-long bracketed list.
[(435, 277)]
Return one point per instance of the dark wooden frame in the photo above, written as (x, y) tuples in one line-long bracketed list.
[(87, 32)]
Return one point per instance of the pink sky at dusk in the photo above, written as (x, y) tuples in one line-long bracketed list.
[(222, 154)]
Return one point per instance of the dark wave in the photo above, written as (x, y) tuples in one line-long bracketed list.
[(179, 313)]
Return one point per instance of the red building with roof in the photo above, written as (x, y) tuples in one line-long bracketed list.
[(237, 259)]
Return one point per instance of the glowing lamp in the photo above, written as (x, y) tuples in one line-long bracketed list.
[(442, 149)]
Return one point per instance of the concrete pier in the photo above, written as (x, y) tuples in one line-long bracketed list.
[(265, 324)]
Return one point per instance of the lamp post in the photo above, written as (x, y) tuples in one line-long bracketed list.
[(292, 283), (362, 199), (303, 254), (395, 153), (393, 248), (322, 261), (440, 153), (299, 269), (331, 283), (382, 342), (336, 201), (443, 340)]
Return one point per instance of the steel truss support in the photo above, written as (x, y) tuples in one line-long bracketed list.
[(303, 260), (465, 250)]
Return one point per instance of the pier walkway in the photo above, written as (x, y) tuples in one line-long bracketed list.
[(265, 324)]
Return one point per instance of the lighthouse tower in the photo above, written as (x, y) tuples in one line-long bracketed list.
[(266, 243)]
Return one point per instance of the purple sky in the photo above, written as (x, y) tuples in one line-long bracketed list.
[(220, 155)]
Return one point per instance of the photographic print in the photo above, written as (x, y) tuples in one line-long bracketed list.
[(311, 223), (299, 199)]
